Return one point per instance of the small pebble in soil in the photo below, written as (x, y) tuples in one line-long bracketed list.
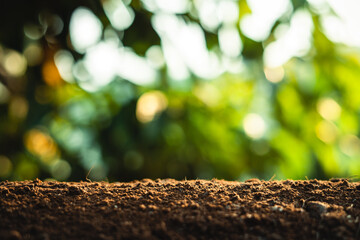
[(316, 207), (277, 208)]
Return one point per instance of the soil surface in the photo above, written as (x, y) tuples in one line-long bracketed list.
[(169, 209)]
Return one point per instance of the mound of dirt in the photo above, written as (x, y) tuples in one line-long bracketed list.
[(169, 209)]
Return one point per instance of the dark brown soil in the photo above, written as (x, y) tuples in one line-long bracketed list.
[(169, 209)]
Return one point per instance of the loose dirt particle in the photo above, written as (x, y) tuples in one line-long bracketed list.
[(169, 209)]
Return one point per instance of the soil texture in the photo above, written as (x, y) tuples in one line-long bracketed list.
[(170, 209)]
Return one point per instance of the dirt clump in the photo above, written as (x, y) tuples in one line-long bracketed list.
[(170, 209)]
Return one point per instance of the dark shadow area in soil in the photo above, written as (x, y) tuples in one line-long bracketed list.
[(169, 209)]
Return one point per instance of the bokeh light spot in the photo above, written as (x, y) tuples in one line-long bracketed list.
[(33, 54), (101, 61), (60, 170), (54, 24), (85, 29), (293, 40), (135, 68), (120, 15), (341, 23), (112, 36), (155, 57), (208, 94), (258, 24), (319, 6), (64, 62), (15, 64), (208, 14), (254, 126), (184, 46), (34, 32), (329, 109), (149, 105), (229, 41), (228, 12), (41, 145), (350, 145), (80, 72), (326, 131), (175, 6), (274, 75)]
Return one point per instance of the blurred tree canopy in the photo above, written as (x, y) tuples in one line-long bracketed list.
[(122, 90)]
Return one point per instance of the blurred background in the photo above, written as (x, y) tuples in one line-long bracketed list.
[(118, 90)]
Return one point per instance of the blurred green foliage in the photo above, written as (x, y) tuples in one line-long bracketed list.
[(299, 119)]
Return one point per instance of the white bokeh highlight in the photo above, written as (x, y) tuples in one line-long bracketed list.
[(295, 40), (85, 29), (258, 24)]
